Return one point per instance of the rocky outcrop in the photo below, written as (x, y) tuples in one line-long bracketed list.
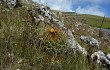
[(15, 3), (74, 44), (90, 40)]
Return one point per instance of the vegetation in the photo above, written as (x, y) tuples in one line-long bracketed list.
[(27, 47), (92, 20)]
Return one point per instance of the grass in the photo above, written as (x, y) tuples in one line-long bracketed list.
[(92, 20), (96, 21), (35, 47)]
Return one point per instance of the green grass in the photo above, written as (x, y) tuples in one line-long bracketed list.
[(92, 20), (96, 21)]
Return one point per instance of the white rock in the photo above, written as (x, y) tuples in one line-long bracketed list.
[(11, 3), (73, 31), (10, 55), (83, 50), (74, 44), (41, 18), (90, 40), (18, 69), (58, 23), (48, 14), (108, 56), (20, 61), (101, 57)]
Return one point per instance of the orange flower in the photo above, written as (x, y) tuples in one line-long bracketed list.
[(53, 34)]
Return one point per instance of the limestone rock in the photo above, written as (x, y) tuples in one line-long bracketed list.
[(74, 44), (108, 56), (100, 57), (11, 3), (90, 40)]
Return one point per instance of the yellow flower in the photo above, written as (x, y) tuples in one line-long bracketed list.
[(52, 30)]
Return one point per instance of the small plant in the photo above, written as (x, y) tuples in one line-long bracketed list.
[(55, 40)]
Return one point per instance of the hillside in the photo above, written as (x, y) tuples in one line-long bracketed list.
[(92, 20), (34, 37)]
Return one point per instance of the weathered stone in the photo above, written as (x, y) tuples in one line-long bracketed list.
[(100, 57), (41, 18), (74, 44), (108, 56), (90, 40), (58, 23), (18, 69), (11, 3)]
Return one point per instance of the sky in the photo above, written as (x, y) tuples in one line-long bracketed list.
[(93, 7)]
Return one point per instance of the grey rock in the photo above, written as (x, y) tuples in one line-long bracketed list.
[(90, 40), (108, 56), (11, 3), (74, 44), (101, 57), (58, 23), (41, 18)]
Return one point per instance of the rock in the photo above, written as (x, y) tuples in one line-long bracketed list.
[(91, 41), (58, 23), (11, 55), (37, 20), (18, 69), (11, 3), (74, 44), (20, 61), (100, 57), (108, 56), (41, 18), (82, 50), (16, 3), (73, 31), (78, 24)]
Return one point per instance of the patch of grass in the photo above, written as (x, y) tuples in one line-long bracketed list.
[(96, 21), (92, 20)]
